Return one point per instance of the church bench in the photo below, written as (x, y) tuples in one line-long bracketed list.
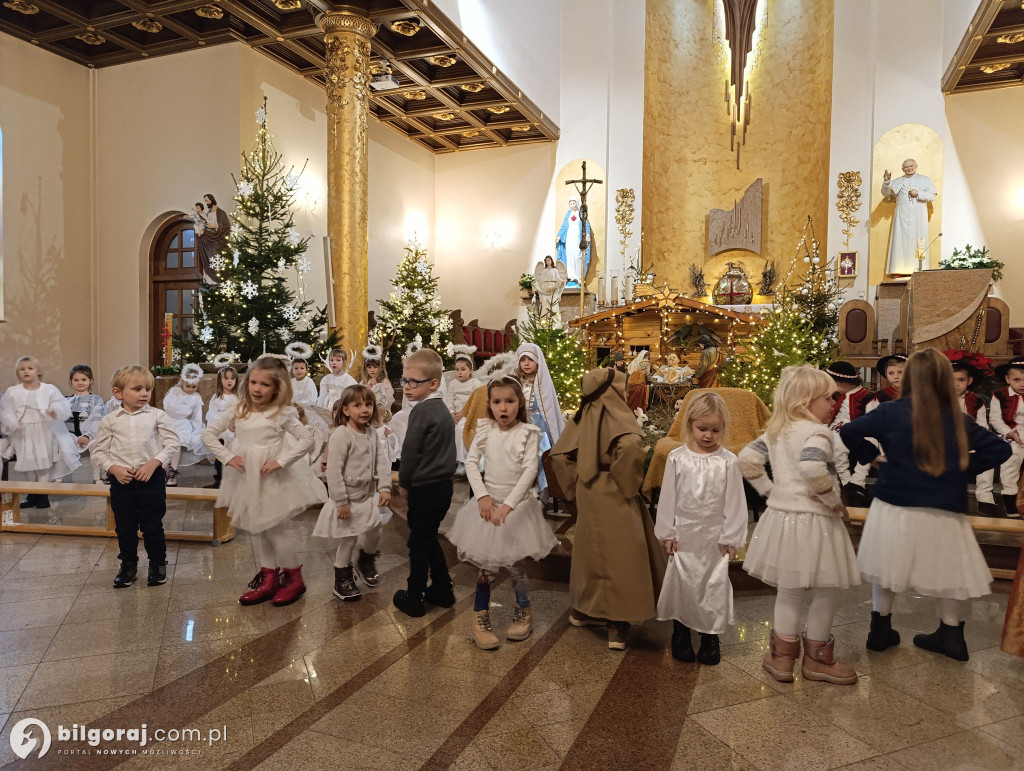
[(222, 528)]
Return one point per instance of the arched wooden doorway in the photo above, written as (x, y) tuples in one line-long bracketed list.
[(174, 281)]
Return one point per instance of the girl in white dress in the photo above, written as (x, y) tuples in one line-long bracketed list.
[(336, 381), (375, 377), (224, 399), (33, 415), (266, 481), (359, 483), (303, 387), (184, 406), (504, 524), (458, 393), (87, 410), (800, 544), (702, 520)]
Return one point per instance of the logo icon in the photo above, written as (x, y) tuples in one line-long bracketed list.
[(24, 740)]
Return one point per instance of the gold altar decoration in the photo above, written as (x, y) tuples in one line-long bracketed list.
[(405, 27), (688, 168), (288, 5), (848, 202), (444, 115), (624, 199), (500, 110), (347, 37), (743, 22), (992, 69), (1012, 39), (377, 68), (441, 60), (91, 38), (522, 129), (733, 288), (470, 134), (210, 12), (415, 95), (923, 144), (22, 7)]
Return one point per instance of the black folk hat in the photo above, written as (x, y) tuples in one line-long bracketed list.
[(843, 372), (885, 361)]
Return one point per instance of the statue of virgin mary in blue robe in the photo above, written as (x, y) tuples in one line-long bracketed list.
[(567, 245)]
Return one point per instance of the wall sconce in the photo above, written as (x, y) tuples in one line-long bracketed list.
[(310, 197), (498, 235)]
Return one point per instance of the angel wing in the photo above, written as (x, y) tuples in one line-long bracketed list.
[(537, 271), (563, 271)]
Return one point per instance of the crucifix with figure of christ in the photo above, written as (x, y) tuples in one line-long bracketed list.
[(583, 186)]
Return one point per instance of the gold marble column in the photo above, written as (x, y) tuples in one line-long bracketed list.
[(347, 36)]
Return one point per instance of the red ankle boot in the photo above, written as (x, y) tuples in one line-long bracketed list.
[(264, 586), (292, 586)]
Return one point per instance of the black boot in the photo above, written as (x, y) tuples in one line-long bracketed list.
[(410, 604), (366, 567), (948, 640), (126, 575), (682, 648), (157, 574), (29, 502), (882, 635), (441, 596), (989, 510), (42, 501), (1010, 504), (710, 652), (345, 586)]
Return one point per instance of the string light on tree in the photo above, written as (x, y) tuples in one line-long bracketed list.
[(567, 360)]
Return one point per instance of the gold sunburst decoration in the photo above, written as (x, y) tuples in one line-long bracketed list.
[(444, 115), (91, 38), (405, 27), (210, 12), (848, 202), (1012, 39), (415, 95), (22, 7), (499, 110), (992, 69), (471, 133), (442, 60), (148, 25), (522, 129), (473, 88), (288, 5)]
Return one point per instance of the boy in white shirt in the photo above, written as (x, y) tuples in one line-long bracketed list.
[(133, 444)]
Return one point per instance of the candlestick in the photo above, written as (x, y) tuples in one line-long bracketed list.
[(629, 289), (615, 288), (601, 296)]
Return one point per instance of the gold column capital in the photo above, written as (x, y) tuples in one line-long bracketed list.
[(331, 22)]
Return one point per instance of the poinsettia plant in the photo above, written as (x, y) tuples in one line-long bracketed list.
[(981, 363)]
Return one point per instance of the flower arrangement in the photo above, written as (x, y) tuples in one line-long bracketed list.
[(973, 258), (981, 363), (526, 281)]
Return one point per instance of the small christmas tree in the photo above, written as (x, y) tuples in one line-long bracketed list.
[(567, 360), (251, 308), (413, 309)]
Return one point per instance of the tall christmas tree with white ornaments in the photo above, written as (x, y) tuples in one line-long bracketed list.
[(251, 308)]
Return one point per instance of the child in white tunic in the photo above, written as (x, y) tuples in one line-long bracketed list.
[(266, 481), (184, 406), (800, 544), (359, 483), (333, 384), (33, 417), (504, 524), (458, 393), (375, 377), (87, 411), (702, 520), (224, 399), (303, 387)]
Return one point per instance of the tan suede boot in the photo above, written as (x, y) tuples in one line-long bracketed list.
[(780, 659), (522, 624), (481, 632), (820, 663)]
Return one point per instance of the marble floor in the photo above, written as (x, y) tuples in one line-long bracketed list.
[(321, 684)]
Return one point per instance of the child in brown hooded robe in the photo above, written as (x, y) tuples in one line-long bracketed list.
[(617, 562)]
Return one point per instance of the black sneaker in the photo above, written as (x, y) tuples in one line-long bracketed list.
[(157, 573), (126, 575), (441, 596), (366, 568), (345, 586), (408, 604), (682, 647), (989, 510), (710, 652), (1010, 504), (29, 502)]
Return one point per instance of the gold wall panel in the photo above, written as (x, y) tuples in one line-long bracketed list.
[(596, 211), (924, 145), (689, 167)]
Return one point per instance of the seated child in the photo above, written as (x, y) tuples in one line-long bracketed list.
[(336, 381), (87, 410), (891, 369), (459, 391), (1006, 414), (184, 406), (965, 375), (303, 387)]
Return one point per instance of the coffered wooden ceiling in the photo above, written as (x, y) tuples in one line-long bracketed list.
[(451, 97), (991, 54)]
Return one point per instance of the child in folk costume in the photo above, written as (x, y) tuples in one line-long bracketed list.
[(87, 410), (916, 537), (267, 481), (184, 406), (541, 401), (303, 387), (375, 377), (890, 368), (359, 483), (224, 399), (800, 544), (852, 400), (337, 380), (1006, 415), (504, 525), (702, 520), (459, 391), (33, 418), (966, 374)]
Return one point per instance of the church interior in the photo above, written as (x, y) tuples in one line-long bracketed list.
[(695, 195)]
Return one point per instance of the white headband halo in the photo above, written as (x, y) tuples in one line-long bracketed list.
[(191, 374)]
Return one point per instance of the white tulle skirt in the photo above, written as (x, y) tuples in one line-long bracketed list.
[(798, 550), (928, 551), (460, 442), (524, 533), (45, 447), (363, 516), (697, 591)]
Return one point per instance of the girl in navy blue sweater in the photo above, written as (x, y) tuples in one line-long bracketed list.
[(916, 537)]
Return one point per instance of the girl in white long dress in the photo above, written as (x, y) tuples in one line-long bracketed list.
[(504, 524), (184, 406), (303, 387), (337, 380), (375, 377), (33, 415), (266, 480), (224, 399), (359, 484), (87, 410), (458, 393), (702, 520), (801, 545)]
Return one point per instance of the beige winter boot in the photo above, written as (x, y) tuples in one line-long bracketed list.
[(780, 659), (522, 624), (481, 632), (820, 663)]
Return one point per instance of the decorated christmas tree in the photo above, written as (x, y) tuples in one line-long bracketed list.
[(412, 311), (800, 328), (251, 308), (566, 357)]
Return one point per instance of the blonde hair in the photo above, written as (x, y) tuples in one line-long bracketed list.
[(30, 360), (428, 361), (338, 353), (127, 375), (703, 404), (797, 388), (282, 382), (928, 383)]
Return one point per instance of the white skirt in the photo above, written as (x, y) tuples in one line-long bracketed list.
[(363, 516), (192, 448), (257, 502), (928, 551), (524, 533), (460, 443), (697, 592), (798, 550), (47, 448)]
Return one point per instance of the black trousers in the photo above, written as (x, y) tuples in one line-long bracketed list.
[(428, 505), (140, 506)]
